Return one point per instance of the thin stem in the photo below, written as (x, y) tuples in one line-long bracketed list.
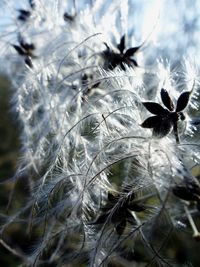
[(196, 233), (175, 128)]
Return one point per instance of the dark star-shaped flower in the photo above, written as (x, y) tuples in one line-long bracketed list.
[(119, 58), (167, 118)]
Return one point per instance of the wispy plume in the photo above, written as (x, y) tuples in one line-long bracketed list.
[(109, 120)]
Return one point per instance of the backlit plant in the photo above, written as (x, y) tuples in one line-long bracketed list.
[(166, 119), (104, 189)]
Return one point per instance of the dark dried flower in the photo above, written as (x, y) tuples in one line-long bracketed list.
[(124, 56), (26, 50), (166, 118), (24, 15)]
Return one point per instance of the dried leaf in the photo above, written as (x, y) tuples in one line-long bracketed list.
[(166, 99)]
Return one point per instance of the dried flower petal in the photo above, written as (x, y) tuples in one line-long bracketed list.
[(131, 51), (155, 108), (121, 45), (19, 50), (166, 99), (182, 101), (163, 128), (151, 122)]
